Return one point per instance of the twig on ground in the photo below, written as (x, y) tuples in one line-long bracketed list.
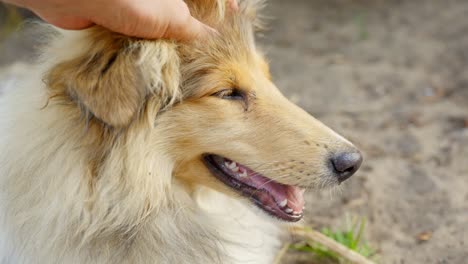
[(281, 253), (331, 244)]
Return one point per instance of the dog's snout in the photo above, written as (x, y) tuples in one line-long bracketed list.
[(346, 164)]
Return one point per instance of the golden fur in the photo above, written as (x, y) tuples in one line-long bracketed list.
[(100, 162)]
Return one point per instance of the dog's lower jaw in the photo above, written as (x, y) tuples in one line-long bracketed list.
[(280, 201)]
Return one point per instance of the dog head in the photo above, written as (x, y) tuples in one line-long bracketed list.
[(210, 105)]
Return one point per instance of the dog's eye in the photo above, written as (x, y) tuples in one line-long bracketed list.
[(231, 94)]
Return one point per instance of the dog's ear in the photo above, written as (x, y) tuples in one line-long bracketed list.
[(114, 75)]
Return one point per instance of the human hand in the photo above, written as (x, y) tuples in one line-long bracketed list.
[(139, 18)]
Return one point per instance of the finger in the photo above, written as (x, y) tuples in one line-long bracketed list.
[(69, 23), (192, 29)]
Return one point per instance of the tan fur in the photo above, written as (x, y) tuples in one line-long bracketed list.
[(110, 170)]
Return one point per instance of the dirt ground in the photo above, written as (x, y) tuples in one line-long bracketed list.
[(391, 76)]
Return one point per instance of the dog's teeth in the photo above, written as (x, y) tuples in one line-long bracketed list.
[(243, 174), (283, 203), (232, 165), (288, 210), (296, 213)]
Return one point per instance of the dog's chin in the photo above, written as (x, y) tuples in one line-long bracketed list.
[(281, 201)]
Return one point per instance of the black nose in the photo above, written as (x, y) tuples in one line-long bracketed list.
[(346, 164)]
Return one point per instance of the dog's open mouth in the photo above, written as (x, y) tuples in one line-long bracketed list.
[(285, 202)]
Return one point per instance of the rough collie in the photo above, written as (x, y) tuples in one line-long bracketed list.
[(122, 150)]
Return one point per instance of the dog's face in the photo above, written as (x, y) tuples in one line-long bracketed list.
[(238, 134), (233, 130)]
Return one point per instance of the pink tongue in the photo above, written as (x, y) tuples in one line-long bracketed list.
[(279, 191)]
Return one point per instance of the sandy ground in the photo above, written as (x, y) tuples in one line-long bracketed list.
[(391, 76)]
